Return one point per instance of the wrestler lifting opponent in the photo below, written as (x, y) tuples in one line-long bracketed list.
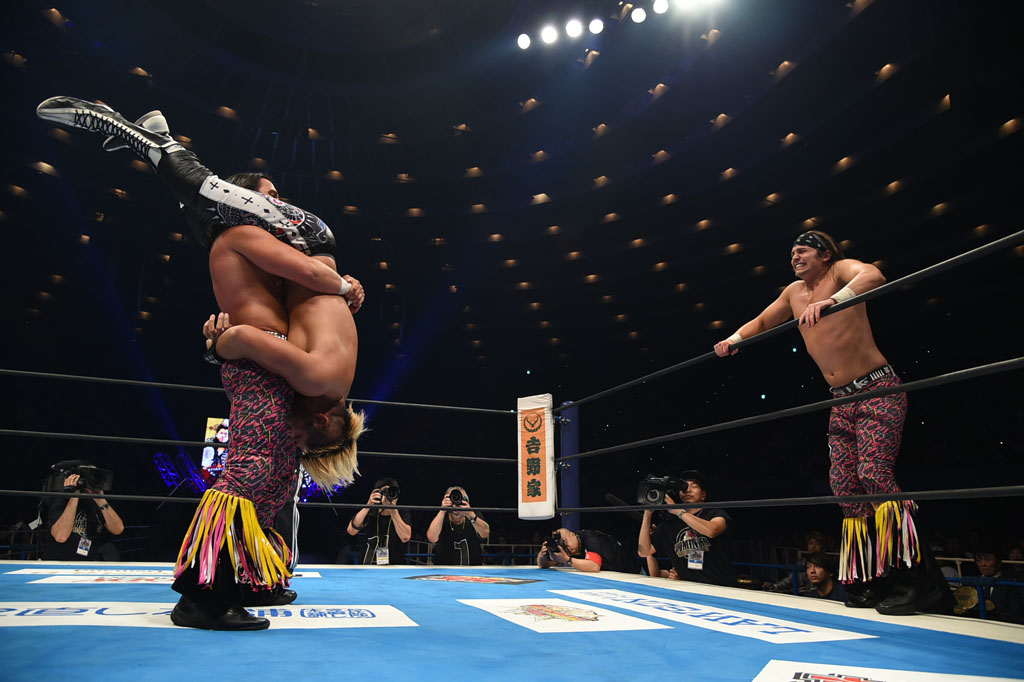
[(262, 461), (864, 437)]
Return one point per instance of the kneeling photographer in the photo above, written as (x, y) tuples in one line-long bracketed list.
[(387, 529), (79, 528), (457, 534), (589, 551), (691, 538)]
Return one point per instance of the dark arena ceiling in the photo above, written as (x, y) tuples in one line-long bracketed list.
[(554, 219)]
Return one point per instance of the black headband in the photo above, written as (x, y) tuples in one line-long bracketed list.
[(812, 240)]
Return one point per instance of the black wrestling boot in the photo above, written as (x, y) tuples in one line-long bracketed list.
[(867, 595), (921, 590), (189, 613), (153, 121), (99, 118), (275, 597)]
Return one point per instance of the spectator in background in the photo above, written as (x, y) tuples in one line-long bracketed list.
[(386, 528), (457, 534), (814, 542), (821, 571), (1014, 571), (1008, 600)]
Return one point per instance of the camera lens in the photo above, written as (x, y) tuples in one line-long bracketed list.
[(455, 496), (391, 492), (654, 496)]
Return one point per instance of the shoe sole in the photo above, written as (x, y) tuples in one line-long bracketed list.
[(207, 625), (930, 600)]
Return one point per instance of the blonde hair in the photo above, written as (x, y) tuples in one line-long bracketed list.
[(336, 463)]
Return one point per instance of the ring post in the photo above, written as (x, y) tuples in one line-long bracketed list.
[(569, 472)]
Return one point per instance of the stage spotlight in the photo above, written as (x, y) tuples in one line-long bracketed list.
[(686, 5), (660, 6), (596, 26), (549, 34), (523, 41), (638, 15), (574, 29)]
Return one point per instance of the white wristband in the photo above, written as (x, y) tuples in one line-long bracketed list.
[(735, 338), (346, 287), (844, 294)]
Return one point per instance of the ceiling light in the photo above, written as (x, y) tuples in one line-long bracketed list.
[(523, 41), (660, 6), (638, 15), (574, 29), (549, 34), (596, 26)]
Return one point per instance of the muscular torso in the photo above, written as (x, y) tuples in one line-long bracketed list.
[(841, 343), (246, 293), (323, 327)]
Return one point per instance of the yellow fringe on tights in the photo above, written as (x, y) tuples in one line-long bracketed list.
[(855, 551), (225, 520), (898, 542)]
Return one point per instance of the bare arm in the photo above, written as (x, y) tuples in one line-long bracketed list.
[(305, 374), (403, 529), (61, 529), (859, 277), (112, 522), (281, 260), (644, 546), (434, 529), (585, 565), (712, 528), (775, 314)]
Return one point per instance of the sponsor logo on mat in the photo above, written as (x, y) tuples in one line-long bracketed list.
[(722, 620), (793, 671), (558, 615), (472, 579), (158, 615)]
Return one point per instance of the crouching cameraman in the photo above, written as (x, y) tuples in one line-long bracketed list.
[(77, 526), (691, 538), (589, 551), (457, 534)]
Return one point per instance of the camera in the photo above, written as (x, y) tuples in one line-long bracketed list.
[(456, 497), (89, 476), (390, 492), (556, 543), (652, 489)]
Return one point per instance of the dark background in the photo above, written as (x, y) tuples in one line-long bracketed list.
[(337, 98)]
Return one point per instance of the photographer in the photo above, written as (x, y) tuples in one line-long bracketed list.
[(692, 538), (457, 534), (589, 551), (78, 526), (387, 529)]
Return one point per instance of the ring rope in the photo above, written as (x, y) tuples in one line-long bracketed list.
[(215, 389), (194, 500), (942, 266), (949, 494), (128, 440), (951, 377)]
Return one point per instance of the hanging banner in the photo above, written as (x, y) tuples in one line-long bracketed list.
[(536, 458)]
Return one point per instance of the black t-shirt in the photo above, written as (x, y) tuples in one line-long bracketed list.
[(695, 556), (88, 524), (380, 529), (613, 558), (457, 545)]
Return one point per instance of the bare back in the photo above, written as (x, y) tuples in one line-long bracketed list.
[(841, 344), (248, 294), (323, 327)]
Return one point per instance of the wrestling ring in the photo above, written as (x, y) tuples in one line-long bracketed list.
[(501, 623)]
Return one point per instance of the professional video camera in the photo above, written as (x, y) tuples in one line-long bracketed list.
[(390, 492), (89, 476), (652, 489), (555, 543)]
